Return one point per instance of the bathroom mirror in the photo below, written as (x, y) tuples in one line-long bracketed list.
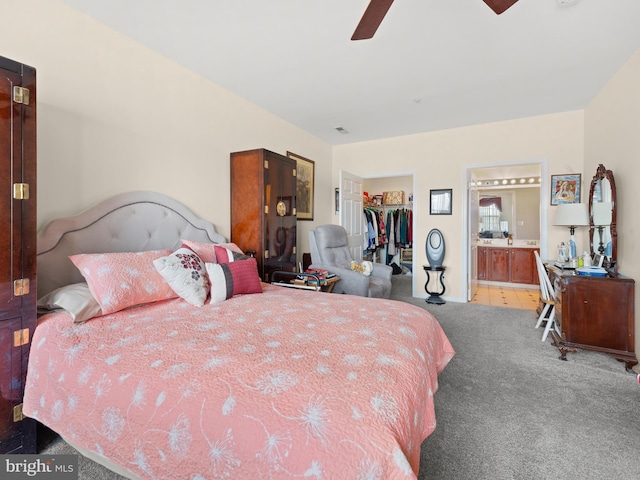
[(515, 211), (602, 215)]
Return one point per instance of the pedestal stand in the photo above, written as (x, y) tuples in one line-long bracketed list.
[(434, 297)]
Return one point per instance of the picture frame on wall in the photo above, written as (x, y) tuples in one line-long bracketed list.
[(566, 188), (305, 173), (440, 202)]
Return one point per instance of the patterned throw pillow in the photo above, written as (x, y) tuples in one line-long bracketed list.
[(235, 278), (121, 280), (187, 275), (364, 268)]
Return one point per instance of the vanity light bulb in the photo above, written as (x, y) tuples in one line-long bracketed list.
[(522, 180), (513, 181), (504, 182)]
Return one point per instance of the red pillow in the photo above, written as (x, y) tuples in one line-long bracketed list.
[(235, 278)]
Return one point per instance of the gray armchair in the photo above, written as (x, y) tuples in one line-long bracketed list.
[(330, 250)]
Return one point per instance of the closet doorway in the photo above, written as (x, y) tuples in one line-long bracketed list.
[(500, 176), (352, 218)]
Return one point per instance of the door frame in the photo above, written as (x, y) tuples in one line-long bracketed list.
[(544, 210), (415, 208)]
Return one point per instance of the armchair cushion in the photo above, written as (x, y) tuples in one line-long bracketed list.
[(333, 246), (382, 271)]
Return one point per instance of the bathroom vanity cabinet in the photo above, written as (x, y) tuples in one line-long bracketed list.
[(507, 264)]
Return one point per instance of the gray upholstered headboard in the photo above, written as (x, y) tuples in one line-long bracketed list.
[(129, 222)]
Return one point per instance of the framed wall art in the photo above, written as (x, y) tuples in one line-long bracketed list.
[(440, 202), (566, 188), (305, 172)]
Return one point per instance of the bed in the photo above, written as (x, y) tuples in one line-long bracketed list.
[(280, 383)]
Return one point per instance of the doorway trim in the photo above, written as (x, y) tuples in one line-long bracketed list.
[(544, 210), (415, 209)]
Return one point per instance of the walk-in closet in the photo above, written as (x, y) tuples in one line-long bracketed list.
[(389, 221)]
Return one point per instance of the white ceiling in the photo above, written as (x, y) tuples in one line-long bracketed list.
[(432, 65)]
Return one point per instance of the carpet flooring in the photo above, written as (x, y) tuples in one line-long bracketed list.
[(508, 408)]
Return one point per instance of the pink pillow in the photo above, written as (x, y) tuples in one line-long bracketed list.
[(206, 251), (236, 278), (121, 280)]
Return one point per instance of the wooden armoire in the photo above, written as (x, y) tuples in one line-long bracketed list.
[(263, 209), (17, 249)]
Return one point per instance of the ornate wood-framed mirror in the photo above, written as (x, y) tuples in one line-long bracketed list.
[(603, 235)]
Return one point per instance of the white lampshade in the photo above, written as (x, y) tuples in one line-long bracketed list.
[(572, 215), (602, 213)]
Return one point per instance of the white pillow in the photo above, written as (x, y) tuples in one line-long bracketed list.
[(76, 299), (186, 274)]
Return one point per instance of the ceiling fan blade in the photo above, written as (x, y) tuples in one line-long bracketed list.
[(371, 19), (499, 6)]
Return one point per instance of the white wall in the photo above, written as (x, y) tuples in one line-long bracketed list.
[(439, 159), (114, 116), (612, 123)]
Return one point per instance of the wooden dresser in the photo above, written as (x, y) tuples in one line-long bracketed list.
[(263, 209), (595, 313), (17, 249)]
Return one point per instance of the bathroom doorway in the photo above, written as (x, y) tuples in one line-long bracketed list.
[(495, 177)]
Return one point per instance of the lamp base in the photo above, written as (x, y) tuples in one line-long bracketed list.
[(573, 252)]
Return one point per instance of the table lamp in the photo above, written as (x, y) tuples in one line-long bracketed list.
[(572, 215)]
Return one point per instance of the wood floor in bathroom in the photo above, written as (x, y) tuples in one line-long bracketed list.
[(499, 296)]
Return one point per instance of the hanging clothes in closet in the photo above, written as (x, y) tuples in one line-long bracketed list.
[(399, 227), (375, 230)]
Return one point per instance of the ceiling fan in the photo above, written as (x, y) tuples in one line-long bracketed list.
[(377, 9)]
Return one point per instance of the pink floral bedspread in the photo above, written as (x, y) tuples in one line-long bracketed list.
[(284, 384)]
